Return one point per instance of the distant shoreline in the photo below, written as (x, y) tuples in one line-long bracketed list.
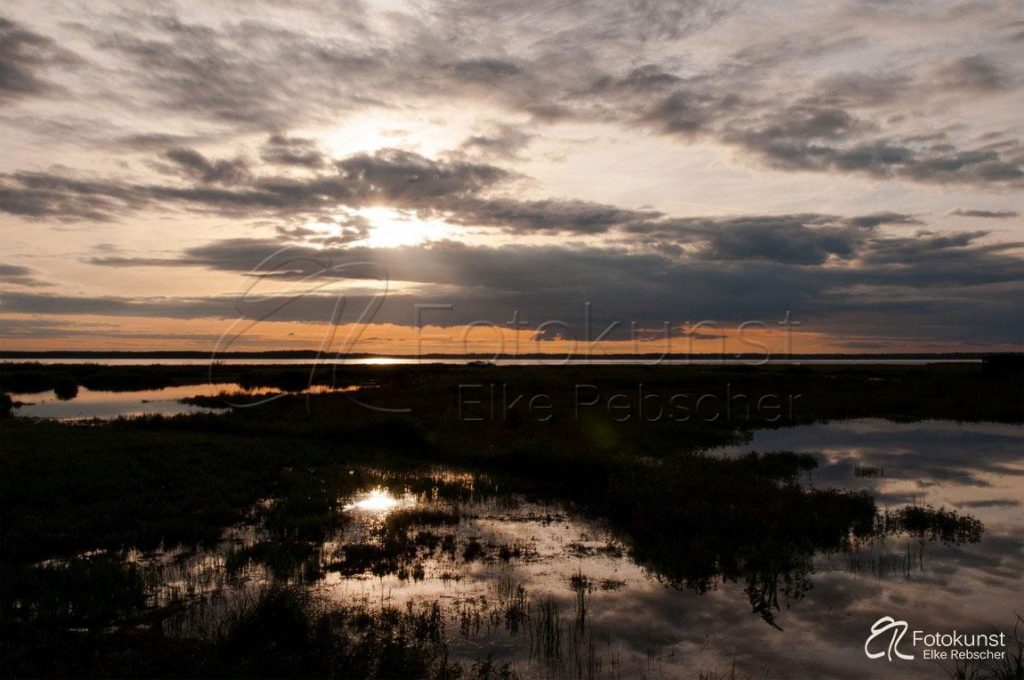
[(312, 355)]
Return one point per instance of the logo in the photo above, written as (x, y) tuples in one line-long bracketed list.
[(885, 625), (934, 646)]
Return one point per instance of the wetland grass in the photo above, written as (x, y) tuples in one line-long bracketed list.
[(85, 496)]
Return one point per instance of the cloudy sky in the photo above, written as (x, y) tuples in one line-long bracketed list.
[(512, 174)]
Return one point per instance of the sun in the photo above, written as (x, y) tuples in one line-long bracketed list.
[(390, 228)]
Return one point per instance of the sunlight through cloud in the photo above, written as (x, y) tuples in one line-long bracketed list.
[(390, 228)]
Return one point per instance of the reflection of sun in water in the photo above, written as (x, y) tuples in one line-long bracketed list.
[(378, 501), (390, 228)]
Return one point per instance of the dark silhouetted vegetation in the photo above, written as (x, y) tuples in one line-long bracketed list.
[(692, 519)]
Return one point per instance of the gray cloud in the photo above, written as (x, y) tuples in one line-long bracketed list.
[(20, 276), (38, 195), (924, 286), (505, 141), (885, 158), (803, 239), (391, 177), (985, 214), (351, 228), (551, 215), (295, 151), (455, 190), (789, 100), (24, 55), (191, 68), (403, 178), (486, 70), (975, 72), (257, 75), (196, 166)]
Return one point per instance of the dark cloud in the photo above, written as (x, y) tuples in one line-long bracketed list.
[(884, 158), (155, 140), (766, 54), (552, 215), (20, 276), (390, 177), (196, 166), (779, 241), (826, 132), (24, 55), (802, 239), (810, 121), (924, 286), (936, 252), (295, 151), (505, 141), (191, 69), (990, 503), (646, 78), (972, 73), (985, 214), (39, 195), (486, 70), (862, 89), (585, 63), (455, 190), (687, 112), (786, 100), (880, 218), (349, 229), (403, 178), (35, 329)]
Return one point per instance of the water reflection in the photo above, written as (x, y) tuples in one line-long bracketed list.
[(378, 501), (80, 403), (976, 466), (556, 593)]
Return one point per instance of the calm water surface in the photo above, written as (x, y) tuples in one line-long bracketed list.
[(107, 405), (556, 593)]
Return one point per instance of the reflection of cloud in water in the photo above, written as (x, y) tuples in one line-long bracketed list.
[(975, 587), (969, 465), (661, 631), (992, 503), (647, 625)]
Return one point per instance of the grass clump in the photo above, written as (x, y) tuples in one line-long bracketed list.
[(283, 632)]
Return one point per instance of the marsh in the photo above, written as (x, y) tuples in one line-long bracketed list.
[(576, 547)]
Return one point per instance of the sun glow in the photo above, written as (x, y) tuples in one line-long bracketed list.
[(428, 133), (377, 501), (390, 228)]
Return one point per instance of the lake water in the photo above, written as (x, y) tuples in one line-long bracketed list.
[(107, 405), (557, 594)]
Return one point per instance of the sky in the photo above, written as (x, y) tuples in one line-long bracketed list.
[(512, 176)]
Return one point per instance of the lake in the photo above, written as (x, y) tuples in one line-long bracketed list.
[(87, 404)]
